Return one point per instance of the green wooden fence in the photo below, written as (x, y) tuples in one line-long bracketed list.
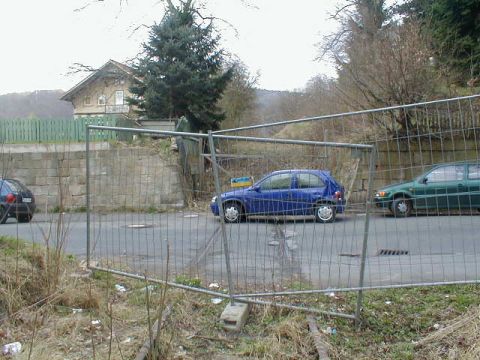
[(53, 130)]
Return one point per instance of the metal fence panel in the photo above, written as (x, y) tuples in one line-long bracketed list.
[(277, 252), (140, 228), (437, 243)]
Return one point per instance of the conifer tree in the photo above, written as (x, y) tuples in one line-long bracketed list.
[(181, 72)]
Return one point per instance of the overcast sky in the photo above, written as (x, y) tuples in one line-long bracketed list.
[(41, 39)]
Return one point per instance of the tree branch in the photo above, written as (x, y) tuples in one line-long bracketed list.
[(76, 68)]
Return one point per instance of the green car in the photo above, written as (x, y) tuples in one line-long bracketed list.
[(453, 186)]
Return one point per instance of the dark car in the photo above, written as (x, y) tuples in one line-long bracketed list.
[(16, 200), (453, 186), (286, 192)]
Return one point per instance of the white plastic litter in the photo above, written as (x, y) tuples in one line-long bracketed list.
[(120, 288), (214, 286), (216, 301), (331, 330), (76, 311), (96, 322), (388, 302), (138, 226), (12, 348)]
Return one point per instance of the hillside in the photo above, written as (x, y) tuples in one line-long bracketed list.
[(45, 104), (42, 104), (268, 104)]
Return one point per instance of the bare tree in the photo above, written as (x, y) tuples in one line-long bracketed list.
[(380, 62), (238, 99)]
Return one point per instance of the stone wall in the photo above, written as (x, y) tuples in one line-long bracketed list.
[(121, 178)]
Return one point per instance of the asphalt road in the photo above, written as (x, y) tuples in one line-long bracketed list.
[(266, 253)]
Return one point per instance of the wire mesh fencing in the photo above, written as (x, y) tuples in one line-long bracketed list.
[(290, 232), (143, 207), (372, 199), (244, 215), (426, 182)]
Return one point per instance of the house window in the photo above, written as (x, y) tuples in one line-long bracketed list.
[(102, 100), (87, 100), (119, 97)]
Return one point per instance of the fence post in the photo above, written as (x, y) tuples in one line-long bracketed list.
[(201, 163), (368, 203), (218, 193), (87, 180)]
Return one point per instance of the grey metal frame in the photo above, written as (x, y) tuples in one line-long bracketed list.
[(449, 104), (246, 298)]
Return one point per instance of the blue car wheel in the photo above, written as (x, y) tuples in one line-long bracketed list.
[(232, 212), (325, 213)]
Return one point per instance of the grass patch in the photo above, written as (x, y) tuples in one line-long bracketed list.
[(9, 244), (185, 280), (394, 320), (103, 277)]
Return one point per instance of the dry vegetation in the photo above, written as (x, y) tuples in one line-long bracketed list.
[(85, 316), (458, 339), (56, 323)]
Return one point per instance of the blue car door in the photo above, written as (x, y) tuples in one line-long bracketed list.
[(273, 194), (308, 188)]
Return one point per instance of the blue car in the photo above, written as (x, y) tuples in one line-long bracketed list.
[(285, 192)]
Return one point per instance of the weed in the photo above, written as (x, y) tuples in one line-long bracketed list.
[(152, 210), (185, 280), (10, 245), (137, 298), (300, 285), (102, 276), (55, 210)]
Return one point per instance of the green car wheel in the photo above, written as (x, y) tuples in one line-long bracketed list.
[(401, 207)]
